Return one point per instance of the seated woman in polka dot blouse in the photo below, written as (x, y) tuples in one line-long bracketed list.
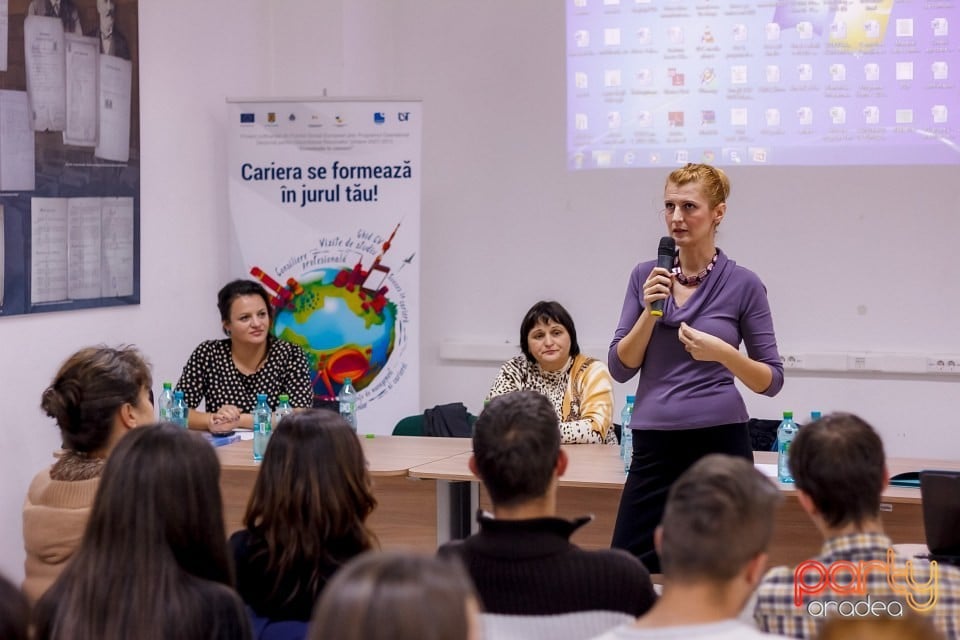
[(579, 387), (226, 375)]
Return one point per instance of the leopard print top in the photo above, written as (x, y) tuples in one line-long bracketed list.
[(519, 373)]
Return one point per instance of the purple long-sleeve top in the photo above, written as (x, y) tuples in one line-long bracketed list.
[(674, 390)]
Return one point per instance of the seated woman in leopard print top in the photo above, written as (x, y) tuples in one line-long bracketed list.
[(579, 387)]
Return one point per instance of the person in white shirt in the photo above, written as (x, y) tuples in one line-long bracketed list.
[(712, 544)]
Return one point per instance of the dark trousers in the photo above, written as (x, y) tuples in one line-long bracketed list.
[(659, 458)]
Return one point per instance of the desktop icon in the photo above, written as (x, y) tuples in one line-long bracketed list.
[(905, 70), (904, 27), (708, 78), (903, 116), (940, 27), (611, 78), (939, 70)]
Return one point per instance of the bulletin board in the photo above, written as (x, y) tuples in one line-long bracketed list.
[(69, 155)]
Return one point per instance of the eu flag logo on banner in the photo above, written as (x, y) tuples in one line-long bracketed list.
[(379, 118), (247, 118)]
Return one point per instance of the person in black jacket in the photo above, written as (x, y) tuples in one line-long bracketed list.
[(522, 561)]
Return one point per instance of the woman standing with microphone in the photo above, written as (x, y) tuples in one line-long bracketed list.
[(687, 404)]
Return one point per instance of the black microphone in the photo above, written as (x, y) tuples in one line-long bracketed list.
[(665, 261)]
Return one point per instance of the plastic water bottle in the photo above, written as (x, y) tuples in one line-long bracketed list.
[(785, 435), (283, 408), (348, 403), (261, 427), (626, 433), (165, 402), (179, 412)]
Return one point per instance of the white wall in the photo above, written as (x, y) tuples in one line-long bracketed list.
[(187, 67), (855, 259)]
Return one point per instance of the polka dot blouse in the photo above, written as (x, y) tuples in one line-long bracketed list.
[(211, 377)]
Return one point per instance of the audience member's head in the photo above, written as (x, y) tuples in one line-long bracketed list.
[(718, 521), (910, 627), (396, 596), (312, 497), (516, 447), (14, 612), (157, 520), (838, 462), (97, 394)]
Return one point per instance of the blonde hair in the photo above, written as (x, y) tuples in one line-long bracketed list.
[(713, 181)]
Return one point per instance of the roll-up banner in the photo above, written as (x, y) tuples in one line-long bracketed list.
[(325, 213)]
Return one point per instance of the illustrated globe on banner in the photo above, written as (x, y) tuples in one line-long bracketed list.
[(343, 334)]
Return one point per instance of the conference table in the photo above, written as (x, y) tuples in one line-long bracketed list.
[(419, 485), (407, 513)]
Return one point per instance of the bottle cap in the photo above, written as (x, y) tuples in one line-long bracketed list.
[(178, 394), (631, 399), (261, 397), (787, 414), (815, 415), (284, 398), (167, 385), (347, 381)]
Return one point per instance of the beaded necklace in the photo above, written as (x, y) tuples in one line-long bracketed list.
[(695, 280)]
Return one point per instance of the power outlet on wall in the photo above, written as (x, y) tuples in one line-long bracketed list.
[(943, 364)]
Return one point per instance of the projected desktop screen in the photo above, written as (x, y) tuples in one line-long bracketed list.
[(801, 82)]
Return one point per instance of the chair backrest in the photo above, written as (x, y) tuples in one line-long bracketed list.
[(409, 426), (566, 626), (443, 415)]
